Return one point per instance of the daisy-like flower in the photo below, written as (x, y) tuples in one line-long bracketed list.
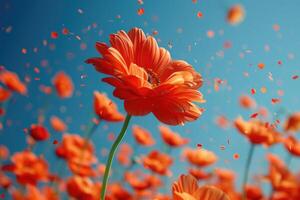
[(147, 79), (186, 188)]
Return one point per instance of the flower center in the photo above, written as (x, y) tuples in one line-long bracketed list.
[(152, 77)]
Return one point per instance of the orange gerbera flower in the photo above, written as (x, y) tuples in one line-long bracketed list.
[(57, 124), (137, 180), (157, 162), (257, 132), (147, 79), (83, 188), (171, 138), (4, 95), (142, 136), (12, 81), (28, 168), (63, 85), (236, 14), (200, 157), (106, 109), (280, 177), (293, 122), (74, 148), (292, 145), (186, 188), (39, 132)]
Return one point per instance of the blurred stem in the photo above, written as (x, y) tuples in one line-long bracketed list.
[(247, 167), (111, 156)]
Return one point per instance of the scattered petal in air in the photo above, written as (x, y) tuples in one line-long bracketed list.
[(235, 14), (63, 85)]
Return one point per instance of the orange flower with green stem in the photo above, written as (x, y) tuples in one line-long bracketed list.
[(257, 132), (149, 81)]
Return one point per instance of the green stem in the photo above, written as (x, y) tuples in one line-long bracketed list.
[(248, 163), (111, 156)]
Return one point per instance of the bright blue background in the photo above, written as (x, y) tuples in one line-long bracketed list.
[(33, 21)]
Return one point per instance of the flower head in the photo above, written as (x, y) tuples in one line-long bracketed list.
[(158, 162), (142, 136), (171, 138), (106, 109), (28, 168), (200, 157), (257, 132), (63, 85), (186, 188), (147, 79), (12, 82)]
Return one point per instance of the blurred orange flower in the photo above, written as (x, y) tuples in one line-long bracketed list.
[(12, 82), (63, 85), (200, 157), (257, 132), (4, 152), (124, 154), (147, 79), (106, 109), (138, 181), (39, 132), (33, 193), (171, 138), (28, 168), (254, 193), (74, 148), (293, 122), (83, 188), (292, 145), (186, 188), (281, 179), (158, 162), (57, 124), (142, 136)]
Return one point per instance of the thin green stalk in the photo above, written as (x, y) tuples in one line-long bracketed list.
[(111, 156), (247, 167)]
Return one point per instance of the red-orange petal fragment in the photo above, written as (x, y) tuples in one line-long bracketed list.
[(63, 85), (247, 102), (235, 14), (57, 124), (39, 132)]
